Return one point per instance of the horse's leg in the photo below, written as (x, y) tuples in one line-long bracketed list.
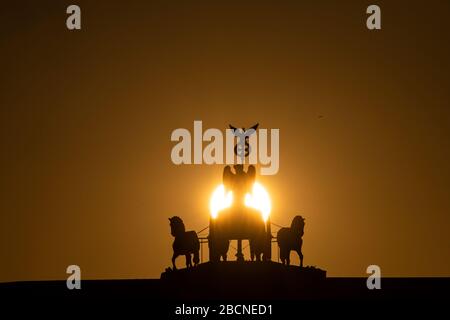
[(288, 257), (173, 260), (196, 257), (283, 256), (300, 254), (188, 260)]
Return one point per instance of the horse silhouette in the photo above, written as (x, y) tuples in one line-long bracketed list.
[(291, 239), (186, 242)]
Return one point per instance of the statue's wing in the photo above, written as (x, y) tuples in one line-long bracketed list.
[(232, 128), (255, 126)]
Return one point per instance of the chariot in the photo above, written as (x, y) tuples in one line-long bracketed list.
[(240, 214)]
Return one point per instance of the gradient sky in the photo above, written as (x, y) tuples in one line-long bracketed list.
[(86, 118)]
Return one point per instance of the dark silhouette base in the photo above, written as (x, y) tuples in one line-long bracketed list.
[(241, 280), (225, 281)]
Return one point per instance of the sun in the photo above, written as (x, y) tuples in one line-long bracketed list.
[(258, 199), (220, 200)]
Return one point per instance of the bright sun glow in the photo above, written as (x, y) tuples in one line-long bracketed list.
[(258, 199), (220, 200)]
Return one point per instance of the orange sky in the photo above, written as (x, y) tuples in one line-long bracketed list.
[(86, 119)]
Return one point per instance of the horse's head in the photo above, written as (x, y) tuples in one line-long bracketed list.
[(176, 226), (298, 223)]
